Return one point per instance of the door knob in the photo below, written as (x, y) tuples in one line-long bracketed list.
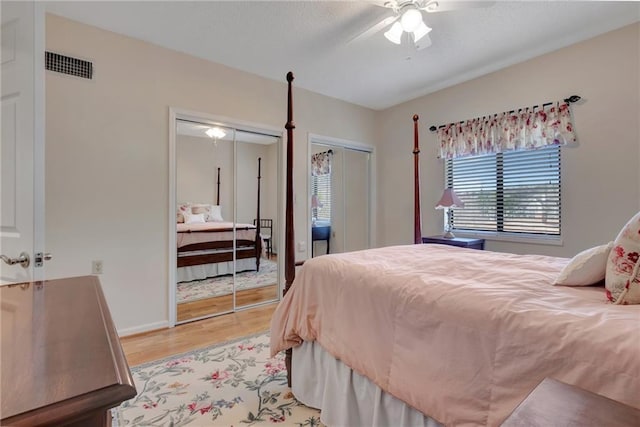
[(23, 260)]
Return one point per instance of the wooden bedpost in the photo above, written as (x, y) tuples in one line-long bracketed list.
[(417, 232), (218, 193), (258, 228), (290, 257)]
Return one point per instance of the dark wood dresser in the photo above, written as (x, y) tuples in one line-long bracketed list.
[(62, 363)]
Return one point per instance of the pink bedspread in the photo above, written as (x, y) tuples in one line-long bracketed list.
[(462, 335), (212, 232)]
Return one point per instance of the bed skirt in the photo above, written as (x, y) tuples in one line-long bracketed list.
[(345, 397), (200, 272)]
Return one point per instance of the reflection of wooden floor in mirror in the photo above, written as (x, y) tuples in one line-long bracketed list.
[(162, 343), (202, 307)]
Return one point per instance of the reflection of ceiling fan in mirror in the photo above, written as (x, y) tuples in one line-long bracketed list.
[(407, 21)]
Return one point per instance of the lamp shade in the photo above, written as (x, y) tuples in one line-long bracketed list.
[(394, 35), (420, 32), (449, 199), (315, 202)]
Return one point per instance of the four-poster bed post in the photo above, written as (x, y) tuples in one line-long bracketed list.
[(258, 224), (289, 261), (218, 192), (417, 232)]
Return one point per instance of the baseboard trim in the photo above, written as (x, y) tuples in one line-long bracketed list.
[(143, 328)]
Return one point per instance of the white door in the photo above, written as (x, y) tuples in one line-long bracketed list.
[(22, 130)]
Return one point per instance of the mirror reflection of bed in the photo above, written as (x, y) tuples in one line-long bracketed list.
[(226, 214), (340, 179)]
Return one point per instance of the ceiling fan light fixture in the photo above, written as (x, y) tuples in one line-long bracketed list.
[(215, 132), (411, 20), (421, 31), (394, 35)]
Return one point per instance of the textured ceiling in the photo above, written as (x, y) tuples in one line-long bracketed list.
[(311, 38)]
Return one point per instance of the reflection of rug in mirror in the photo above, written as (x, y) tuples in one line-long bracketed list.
[(223, 285), (230, 384)]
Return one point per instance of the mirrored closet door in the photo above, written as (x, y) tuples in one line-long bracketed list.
[(227, 195), (340, 199), (257, 197)]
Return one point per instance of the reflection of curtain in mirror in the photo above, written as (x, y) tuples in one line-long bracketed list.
[(321, 186)]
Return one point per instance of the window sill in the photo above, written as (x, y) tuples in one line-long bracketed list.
[(508, 237)]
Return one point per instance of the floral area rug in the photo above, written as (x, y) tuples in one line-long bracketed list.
[(232, 384), (223, 285)]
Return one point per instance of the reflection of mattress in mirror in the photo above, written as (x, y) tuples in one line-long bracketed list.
[(189, 234), (203, 271)]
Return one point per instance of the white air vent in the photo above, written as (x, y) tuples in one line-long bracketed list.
[(68, 65)]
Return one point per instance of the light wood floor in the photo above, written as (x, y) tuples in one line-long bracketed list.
[(154, 345), (202, 307)]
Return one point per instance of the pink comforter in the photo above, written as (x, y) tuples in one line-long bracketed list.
[(462, 335)]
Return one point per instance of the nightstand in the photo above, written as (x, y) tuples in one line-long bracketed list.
[(461, 242), (322, 232)]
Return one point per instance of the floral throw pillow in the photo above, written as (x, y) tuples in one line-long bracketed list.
[(622, 280)]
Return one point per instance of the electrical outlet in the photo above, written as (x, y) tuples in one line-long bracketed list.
[(96, 267), (302, 246)]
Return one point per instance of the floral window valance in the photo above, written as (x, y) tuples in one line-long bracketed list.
[(321, 163), (526, 129)]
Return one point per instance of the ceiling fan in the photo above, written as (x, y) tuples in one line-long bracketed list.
[(407, 18)]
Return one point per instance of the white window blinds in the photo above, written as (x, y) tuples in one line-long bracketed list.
[(321, 187), (515, 192)]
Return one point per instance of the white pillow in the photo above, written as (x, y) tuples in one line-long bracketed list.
[(215, 214), (586, 268), (193, 218)]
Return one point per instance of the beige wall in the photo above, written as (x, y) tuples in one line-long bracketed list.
[(107, 155), (197, 163), (600, 177)]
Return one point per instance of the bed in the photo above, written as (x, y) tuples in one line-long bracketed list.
[(207, 248), (433, 334)]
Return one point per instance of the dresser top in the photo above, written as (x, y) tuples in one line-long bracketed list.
[(58, 343)]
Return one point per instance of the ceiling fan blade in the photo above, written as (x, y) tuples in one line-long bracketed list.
[(434, 6), (375, 28), (424, 42)]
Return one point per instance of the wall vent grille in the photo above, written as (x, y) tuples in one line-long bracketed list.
[(68, 65)]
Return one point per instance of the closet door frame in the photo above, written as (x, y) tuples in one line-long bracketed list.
[(330, 141), (239, 125)]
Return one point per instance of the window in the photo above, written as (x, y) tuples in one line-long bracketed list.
[(321, 189), (516, 192)]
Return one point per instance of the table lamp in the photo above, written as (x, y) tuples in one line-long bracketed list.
[(448, 201), (315, 205)]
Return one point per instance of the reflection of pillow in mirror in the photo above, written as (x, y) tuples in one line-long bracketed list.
[(215, 214), (586, 268), (200, 208), (181, 209), (193, 218)]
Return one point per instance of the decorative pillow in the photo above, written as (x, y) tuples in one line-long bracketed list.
[(200, 208), (623, 278), (211, 212), (182, 208), (215, 214), (586, 268), (193, 218)]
